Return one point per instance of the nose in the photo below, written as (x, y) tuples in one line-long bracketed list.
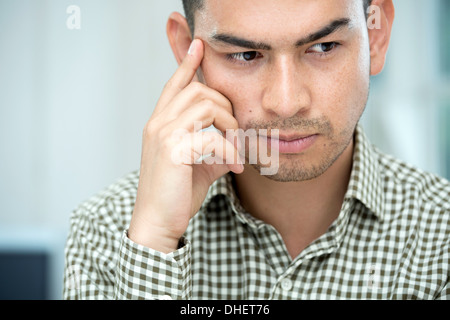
[(286, 92)]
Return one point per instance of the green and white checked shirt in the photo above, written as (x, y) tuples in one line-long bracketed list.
[(391, 240)]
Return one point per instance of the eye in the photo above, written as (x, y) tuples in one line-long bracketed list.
[(244, 57), (323, 48)]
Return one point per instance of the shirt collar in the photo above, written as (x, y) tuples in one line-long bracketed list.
[(365, 182), (225, 186)]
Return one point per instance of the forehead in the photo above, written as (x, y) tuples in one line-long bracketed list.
[(273, 18)]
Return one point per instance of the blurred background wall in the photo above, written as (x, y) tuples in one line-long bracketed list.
[(73, 103)]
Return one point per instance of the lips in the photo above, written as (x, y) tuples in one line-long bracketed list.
[(289, 138), (292, 144)]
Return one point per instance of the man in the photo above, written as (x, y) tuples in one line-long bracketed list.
[(337, 219)]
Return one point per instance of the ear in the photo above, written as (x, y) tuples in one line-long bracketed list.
[(179, 35), (379, 23)]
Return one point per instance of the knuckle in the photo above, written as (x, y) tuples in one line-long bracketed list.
[(169, 84), (228, 105), (208, 108), (196, 87), (225, 101), (208, 105), (151, 131)]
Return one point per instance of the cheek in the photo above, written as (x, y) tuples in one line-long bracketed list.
[(240, 89), (343, 91)]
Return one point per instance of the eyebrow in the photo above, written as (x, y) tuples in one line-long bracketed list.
[(249, 44)]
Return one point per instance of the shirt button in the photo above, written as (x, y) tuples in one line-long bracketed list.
[(286, 284)]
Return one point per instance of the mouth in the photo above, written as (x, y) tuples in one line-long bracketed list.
[(292, 137), (291, 144)]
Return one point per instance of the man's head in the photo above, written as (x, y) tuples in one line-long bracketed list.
[(300, 66), (192, 6)]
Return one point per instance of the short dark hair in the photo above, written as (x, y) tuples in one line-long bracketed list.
[(191, 6)]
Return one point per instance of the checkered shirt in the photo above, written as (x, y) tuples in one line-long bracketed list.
[(391, 240)]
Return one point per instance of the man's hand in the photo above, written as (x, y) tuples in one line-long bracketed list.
[(171, 192)]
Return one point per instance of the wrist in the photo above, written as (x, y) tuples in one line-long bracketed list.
[(154, 237)]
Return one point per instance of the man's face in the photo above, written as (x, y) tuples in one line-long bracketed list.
[(300, 66)]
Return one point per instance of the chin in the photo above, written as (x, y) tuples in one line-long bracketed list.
[(293, 172)]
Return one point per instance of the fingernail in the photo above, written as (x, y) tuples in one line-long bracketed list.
[(191, 48)]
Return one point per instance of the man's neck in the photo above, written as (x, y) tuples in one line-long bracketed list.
[(300, 211)]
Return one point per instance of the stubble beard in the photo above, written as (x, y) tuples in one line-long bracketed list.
[(298, 167)]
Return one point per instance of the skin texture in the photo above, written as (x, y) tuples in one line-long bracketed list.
[(316, 89), (285, 87)]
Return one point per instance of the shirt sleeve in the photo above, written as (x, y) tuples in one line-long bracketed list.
[(102, 263), (90, 261), (143, 273)]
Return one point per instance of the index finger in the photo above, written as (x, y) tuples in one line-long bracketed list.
[(184, 74)]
